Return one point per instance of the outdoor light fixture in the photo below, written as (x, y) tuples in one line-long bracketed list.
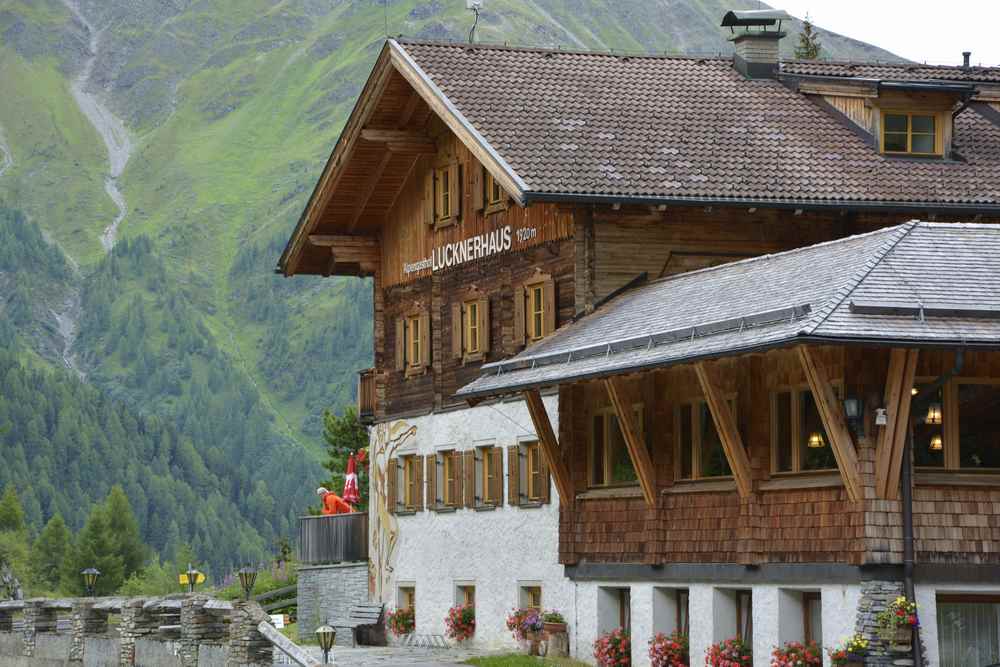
[(90, 576), (816, 440), (326, 636), (937, 444), (248, 577), (192, 577), (914, 391), (853, 409), (933, 414)]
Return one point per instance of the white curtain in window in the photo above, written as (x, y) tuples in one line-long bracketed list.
[(968, 634)]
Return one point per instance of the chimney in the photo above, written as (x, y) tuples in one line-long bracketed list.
[(965, 59), (755, 44)]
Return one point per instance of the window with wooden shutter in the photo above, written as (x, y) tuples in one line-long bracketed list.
[(400, 344), (478, 188), (489, 476), (392, 483), (409, 486), (513, 475), (430, 467), (496, 198), (449, 467), (455, 183), (469, 479), (519, 332), (418, 485), (471, 329), (535, 309), (483, 313), (428, 203), (496, 477), (549, 306), (457, 325), (425, 337), (544, 480)]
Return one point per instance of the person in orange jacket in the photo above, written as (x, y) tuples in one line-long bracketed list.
[(332, 503)]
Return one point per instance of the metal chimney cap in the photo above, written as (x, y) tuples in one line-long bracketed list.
[(754, 17)]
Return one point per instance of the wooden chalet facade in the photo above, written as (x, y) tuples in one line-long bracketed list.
[(504, 201)]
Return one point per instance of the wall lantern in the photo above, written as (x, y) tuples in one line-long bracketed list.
[(248, 577), (933, 414), (90, 576), (937, 444), (326, 636), (914, 391), (816, 440), (854, 410)]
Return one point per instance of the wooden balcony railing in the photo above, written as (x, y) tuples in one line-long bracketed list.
[(335, 538), (366, 395)]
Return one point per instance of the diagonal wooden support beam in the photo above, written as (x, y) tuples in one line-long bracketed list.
[(898, 396), (729, 434), (369, 189), (618, 394), (831, 412), (549, 445)]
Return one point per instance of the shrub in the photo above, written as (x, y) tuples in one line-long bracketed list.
[(797, 654), (729, 653), (460, 622), (669, 651), (613, 649), (401, 621)]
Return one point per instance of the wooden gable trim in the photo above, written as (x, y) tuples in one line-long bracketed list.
[(549, 445), (898, 396), (641, 460), (729, 434), (832, 415), (457, 122)]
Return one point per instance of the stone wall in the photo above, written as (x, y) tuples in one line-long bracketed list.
[(327, 593)]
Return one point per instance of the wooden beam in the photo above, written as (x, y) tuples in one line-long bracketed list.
[(549, 445), (411, 106), (831, 412), (729, 434), (412, 147), (898, 396), (368, 190), (386, 136), (343, 241), (402, 184), (637, 451)]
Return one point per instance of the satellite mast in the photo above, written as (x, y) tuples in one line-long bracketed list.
[(474, 6)]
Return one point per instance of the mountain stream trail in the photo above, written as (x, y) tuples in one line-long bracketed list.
[(110, 127)]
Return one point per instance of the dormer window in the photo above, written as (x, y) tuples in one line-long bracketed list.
[(905, 133)]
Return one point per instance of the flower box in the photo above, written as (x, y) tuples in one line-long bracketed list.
[(554, 628)]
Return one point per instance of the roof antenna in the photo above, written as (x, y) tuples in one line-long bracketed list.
[(474, 6)]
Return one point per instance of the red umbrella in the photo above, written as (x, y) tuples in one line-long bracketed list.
[(351, 495)]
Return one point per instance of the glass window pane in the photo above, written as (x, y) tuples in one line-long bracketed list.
[(622, 469), (895, 143), (713, 456), (968, 634), (783, 430), (922, 143), (895, 122), (597, 455), (928, 434), (979, 425), (815, 612), (922, 124), (686, 433), (816, 453)]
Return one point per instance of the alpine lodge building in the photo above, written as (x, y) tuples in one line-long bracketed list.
[(708, 345)]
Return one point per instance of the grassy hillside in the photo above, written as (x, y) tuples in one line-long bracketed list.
[(233, 107)]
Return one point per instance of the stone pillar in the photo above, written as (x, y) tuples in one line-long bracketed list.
[(36, 619), (85, 621), (197, 626), (247, 647), (135, 623)]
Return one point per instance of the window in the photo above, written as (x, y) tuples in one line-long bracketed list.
[(958, 428), (614, 609), (405, 493), (495, 198), (744, 616), (799, 441), (531, 597), (489, 476), (928, 431), (470, 329), (449, 478), (536, 313), (610, 462), (670, 610), (465, 594), (411, 482), (413, 343), (909, 133), (812, 618), (533, 472), (407, 597), (968, 630), (700, 451), (443, 194), (534, 310), (442, 201), (528, 475)]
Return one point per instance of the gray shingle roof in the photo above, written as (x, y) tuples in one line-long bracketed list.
[(690, 129), (893, 71), (800, 295)]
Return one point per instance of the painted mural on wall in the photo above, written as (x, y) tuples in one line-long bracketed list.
[(385, 439)]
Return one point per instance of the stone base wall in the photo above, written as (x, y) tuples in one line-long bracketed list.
[(327, 593)]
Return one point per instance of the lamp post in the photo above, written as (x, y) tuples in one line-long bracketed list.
[(90, 576), (248, 577), (326, 637), (192, 577)]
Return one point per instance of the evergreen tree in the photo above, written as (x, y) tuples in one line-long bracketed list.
[(809, 46), (125, 530), (344, 434), (95, 547), (48, 552), (11, 512)]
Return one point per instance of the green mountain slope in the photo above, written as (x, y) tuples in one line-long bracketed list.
[(232, 107)]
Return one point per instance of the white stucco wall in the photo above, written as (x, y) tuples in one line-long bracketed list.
[(927, 610), (497, 550)]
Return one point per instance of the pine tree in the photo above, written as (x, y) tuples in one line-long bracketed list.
[(95, 547), (48, 552), (11, 512), (125, 531), (809, 46)]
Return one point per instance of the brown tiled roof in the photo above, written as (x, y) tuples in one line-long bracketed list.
[(674, 128), (893, 71)]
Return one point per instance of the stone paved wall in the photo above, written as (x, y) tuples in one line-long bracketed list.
[(875, 597), (327, 593)]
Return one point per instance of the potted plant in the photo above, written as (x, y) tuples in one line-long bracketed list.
[(797, 654), (851, 653), (553, 622), (460, 623), (669, 651), (401, 621), (729, 653), (897, 621), (613, 649)]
